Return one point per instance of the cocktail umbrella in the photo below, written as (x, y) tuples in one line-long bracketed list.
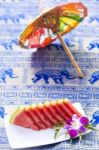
[(52, 24)]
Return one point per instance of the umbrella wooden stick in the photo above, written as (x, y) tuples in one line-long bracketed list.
[(70, 55)]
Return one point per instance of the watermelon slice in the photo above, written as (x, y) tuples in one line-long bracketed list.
[(43, 116), (22, 119)]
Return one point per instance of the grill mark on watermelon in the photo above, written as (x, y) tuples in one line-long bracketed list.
[(35, 127), (72, 108), (36, 118), (43, 118), (44, 111), (56, 114), (39, 115), (49, 116), (66, 110), (53, 116), (50, 124), (61, 112)]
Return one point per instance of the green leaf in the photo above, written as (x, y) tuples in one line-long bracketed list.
[(57, 128), (66, 134), (56, 133), (80, 137), (71, 140), (91, 127)]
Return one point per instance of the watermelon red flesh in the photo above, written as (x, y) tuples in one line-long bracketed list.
[(23, 120), (48, 114), (35, 118), (72, 109), (43, 118), (66, 110), (61, 112), (34, 127), (46, 117), (56, 114), (53, 117)]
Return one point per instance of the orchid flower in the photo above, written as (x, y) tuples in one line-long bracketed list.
[(75, 127)]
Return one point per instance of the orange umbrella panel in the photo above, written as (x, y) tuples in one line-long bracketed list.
[(60, 19)]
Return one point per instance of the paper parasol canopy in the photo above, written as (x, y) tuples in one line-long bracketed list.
[(52, 24)]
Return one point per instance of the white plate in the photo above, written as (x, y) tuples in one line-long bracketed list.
[(20, 137)]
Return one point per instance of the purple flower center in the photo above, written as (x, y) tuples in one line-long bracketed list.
[(82, 129), (84, 121), (69, 121), (73, 133)]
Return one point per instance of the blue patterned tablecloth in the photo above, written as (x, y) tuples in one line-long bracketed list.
[(21, 72)]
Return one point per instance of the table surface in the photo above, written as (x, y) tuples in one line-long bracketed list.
[(19, 67)]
